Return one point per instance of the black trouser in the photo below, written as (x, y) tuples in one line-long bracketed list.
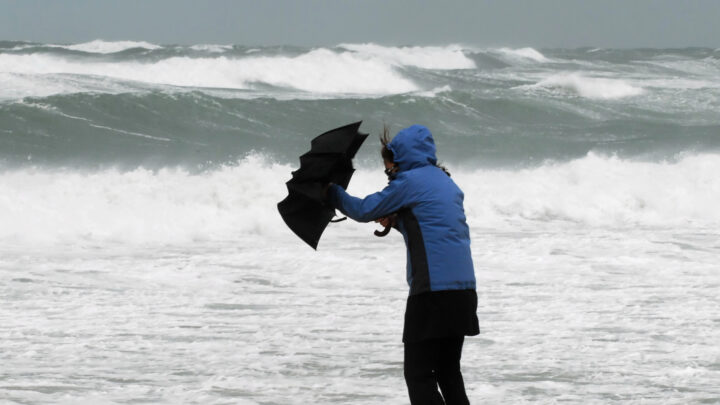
[(432, 363)]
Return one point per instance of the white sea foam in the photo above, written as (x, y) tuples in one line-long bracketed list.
[(676, 83), (96, 46), (318, 71), (426, 57), (523, 54), (16, 86), (100, 46), (141, 206), (600, 191), (325, 71), (707, 67), (589, 87), (164, 286), (348, 70), (21, 47), (434, 92), (172, 206), (214, 48)]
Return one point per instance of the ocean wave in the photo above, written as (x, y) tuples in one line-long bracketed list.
[(680, 84), (17, 86), (426, 57), (345, 71), (174, 206), (318, 71), (212, 48), (598, 190), (523, 54), (140, 206), (705, 67), (589, 87), (104, 47)]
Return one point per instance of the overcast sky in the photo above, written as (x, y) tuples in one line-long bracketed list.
[(537, 23)]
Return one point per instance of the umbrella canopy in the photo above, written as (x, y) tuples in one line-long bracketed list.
[(329, 160)]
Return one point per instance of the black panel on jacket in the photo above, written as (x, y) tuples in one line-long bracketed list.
[(418, 256)]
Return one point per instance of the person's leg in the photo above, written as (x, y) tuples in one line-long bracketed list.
[(447, 368), (420, 377)]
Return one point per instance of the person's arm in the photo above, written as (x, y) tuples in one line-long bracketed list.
[(377, 205)]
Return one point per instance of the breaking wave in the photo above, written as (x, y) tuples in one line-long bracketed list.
[(174, 206), (427, 57), (164, 106), (321, 70), (103, 47), (523, 54), (590, 87)]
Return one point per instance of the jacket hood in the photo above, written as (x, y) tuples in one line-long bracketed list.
[(413, 147)]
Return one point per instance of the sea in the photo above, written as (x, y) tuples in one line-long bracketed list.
[(143, 260)]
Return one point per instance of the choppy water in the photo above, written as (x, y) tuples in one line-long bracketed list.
[(133, 104), (142, 258)]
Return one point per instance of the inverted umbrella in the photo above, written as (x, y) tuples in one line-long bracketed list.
[(329, 160)]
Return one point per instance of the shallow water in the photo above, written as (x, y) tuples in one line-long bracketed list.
[(567, 315)]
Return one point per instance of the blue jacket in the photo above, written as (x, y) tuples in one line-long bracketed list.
[(430, 212)]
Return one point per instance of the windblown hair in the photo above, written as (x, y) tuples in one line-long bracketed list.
[(385, 139), (388, 155)]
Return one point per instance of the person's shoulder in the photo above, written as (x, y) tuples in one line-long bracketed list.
[(423, 177), (427, 172), (410, 175)]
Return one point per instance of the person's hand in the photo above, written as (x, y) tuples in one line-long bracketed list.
[(385, 221)]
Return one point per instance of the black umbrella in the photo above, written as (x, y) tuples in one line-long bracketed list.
[(328, 161)]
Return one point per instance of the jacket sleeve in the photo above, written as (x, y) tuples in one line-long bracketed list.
[(374, 206)]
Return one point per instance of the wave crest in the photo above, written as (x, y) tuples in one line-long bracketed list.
[(173, 206), (598, 191), (100, 46), (590, 87), (318, 71), (521, 54), (426, 57)]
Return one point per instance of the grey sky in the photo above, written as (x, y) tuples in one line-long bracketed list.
[(551, 23)]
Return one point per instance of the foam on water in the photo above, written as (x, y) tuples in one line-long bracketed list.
[(318, 71), (680, 84), (597, 276), (211, 48), (16, 86), (140, 206), (426, 57), (599, 191), (590, 87), (709, 66), (104, 47), (523, 54), (169, 287), (172, 206), (348, 70)]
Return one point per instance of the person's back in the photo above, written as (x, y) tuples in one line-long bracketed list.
[(435, 203), (427, 207)]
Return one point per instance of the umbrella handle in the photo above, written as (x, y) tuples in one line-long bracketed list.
[(384, 231), (338, 220)]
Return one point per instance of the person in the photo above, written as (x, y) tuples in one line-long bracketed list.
[(426, 206)]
